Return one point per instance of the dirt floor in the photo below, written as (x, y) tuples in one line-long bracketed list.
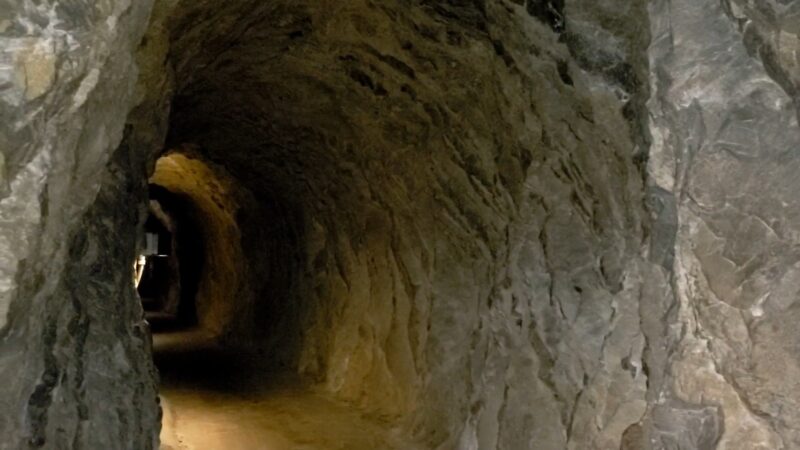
[(215, 400)]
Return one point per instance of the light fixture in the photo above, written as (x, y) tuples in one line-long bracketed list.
[(138, 269)]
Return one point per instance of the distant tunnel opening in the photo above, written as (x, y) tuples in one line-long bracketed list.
[(194, 270), (483, 224), (170, 265), (157, 267)]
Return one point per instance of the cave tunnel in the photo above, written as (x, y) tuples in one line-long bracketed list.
[(343, 199), (399, 224), (169, 266), (349, 203)]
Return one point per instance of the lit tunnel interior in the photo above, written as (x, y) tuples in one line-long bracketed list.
[(309, 211), (205, 269), (352, 201)]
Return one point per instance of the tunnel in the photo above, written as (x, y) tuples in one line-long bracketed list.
[(399, 224), (364, 223)]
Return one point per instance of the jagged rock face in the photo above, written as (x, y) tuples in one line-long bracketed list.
[(467, 204), (211, 205), (74, 358), (507, 224), (723, 163)]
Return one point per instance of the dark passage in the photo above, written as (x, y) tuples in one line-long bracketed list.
[(170, 263), (221, 384)]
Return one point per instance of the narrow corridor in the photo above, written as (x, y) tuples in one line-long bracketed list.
[(215, 400)]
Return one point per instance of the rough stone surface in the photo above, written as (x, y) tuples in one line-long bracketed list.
[(501, 224), (723, 161), (467, 201), (74, 354)]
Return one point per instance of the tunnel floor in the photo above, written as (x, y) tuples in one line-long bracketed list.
[(214, 399)]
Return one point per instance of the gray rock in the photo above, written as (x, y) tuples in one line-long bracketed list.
[(74, 353), (512, 225)]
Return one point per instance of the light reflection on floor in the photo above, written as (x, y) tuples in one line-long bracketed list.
[(207, 407)]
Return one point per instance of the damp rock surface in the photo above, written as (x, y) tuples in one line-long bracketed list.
[(549, 224)]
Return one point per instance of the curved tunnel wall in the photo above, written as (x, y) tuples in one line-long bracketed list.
[(463, 214), (160, 285), (212, 202)]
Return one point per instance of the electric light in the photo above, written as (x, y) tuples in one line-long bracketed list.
[(138, 269)]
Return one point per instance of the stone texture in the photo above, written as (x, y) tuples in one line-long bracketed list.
[(467, 202), (498, 224), (74, 353), (725, 134)]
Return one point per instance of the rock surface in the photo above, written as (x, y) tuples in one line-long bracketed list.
[(226, 404), (725, 142), (74, 355), (502, 224)]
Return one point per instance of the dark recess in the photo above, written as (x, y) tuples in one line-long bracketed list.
[(189, 250), (551, 12)]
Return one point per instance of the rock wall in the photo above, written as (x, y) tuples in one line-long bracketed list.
[(74, 352), (214, 204), (725, 141), (466, 198), (504, 224)]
